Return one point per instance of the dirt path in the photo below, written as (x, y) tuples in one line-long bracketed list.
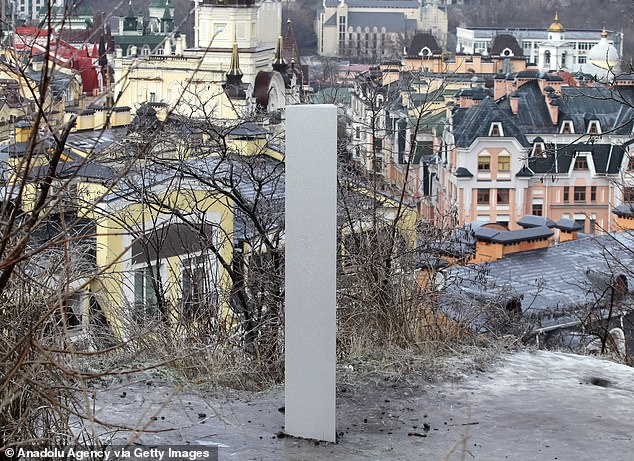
[(531, 406)]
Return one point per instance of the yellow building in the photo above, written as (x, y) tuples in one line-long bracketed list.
[(191, 80)]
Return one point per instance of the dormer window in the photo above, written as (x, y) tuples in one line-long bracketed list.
[(496, 129), (539, 150), (594, 127), (425, 52), (581, 162), (507, 52), (567, 127)]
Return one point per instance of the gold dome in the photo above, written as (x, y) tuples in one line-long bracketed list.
[(556, 26)]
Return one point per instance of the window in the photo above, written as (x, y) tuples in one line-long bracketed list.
[(630, 163), (581, 59), (563, 59), (152, 97), (199, 295), (566, 194), (566, 127), (581, 162), (146, 283), (357, 133), (484, 163), (483, 196), (582, 223), (219, 27), (537, 209), (538, 149), (496, 129), (593, 226), (504, 163), (580, 194), (593, 193), (628, 194), (502, 197), (547, 58), (594, 127)]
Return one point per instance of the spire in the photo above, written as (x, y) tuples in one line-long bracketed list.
[(130, 22), (234, 88), (234, 68), (279, 64)]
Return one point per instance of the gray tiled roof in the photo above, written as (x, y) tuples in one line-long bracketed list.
[(476, 121), (504, 41), (532, 115), (462, 172), (610, 108), (624, 210), (492, 235), (535, 221), (375, 3), (552, 279), (607, 158), (568, 224), (393, 22)]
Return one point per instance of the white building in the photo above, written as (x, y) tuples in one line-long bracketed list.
[(375, 30), (554, 48)]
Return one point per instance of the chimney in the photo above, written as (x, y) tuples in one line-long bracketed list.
[(568, 229), (23, 131), (499, 88), (514, 99)]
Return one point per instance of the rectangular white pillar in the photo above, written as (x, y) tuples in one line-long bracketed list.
[(310, 255)]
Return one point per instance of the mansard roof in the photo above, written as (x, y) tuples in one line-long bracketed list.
[(420, 41), (475, 122), (607, 158), (580, 105), (502, 42), (609, 107), (374, 3), (392, 21), (532, 115)]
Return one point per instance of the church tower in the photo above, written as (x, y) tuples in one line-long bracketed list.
[(255, 27)]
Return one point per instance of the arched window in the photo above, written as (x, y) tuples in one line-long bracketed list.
[(547, 58)]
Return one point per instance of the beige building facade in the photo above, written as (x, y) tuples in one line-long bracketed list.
[(192, 79)]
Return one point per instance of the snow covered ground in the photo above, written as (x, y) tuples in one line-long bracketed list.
[(528, 406)]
